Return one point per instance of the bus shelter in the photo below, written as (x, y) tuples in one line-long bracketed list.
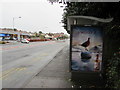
[(86, 46)]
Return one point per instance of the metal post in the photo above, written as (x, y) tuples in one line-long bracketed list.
[(18, 35), (14, 20), (13, 23)]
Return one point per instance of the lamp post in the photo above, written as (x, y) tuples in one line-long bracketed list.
[(14, 25), (14, 21)]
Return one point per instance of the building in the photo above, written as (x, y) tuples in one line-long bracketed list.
[(13, 34)]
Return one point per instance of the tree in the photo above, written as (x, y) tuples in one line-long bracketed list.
[(60, 1), (100, 10), (40, 32), (36, 34), (112, 32)]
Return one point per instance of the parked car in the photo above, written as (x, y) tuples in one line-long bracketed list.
[(24, 41), (12, 38), (7, 38), (0, 38)]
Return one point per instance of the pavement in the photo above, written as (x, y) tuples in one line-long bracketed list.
[(55, 74)]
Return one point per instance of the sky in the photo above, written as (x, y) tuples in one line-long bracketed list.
[(36, 15)]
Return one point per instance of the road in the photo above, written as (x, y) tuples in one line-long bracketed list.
[(21, 62)]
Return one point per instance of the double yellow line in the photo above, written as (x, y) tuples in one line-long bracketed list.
[(4, 74)]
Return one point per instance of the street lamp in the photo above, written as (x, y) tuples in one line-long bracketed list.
[(13, 26), (14, 20)]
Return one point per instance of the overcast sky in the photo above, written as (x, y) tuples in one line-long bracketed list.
[(36, 15)]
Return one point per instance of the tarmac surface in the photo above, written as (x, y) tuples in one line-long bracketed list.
[(55, 75), (21, 62)]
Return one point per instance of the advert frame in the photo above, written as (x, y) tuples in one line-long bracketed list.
[(70, 53)]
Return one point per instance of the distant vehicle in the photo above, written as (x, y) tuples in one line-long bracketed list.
[(0, 38), (24, 41), (28, 39), (7, 38), (12, 38)]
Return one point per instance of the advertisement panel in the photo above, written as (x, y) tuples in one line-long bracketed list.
[(86, 48)]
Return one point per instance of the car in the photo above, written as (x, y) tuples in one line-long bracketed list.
[(12, 38), (0, 38), (7, 38), (28, 39), (24, 41)]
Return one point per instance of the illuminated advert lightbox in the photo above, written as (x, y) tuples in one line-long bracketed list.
[(86, 48)]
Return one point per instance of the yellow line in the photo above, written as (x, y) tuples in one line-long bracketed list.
[(44, 54), (4, 74), (4, 77), (34, 60), (0, 66), (20, 69), (8, 72), (39, 57)]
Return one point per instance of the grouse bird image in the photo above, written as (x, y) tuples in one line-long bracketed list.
[(86, 44)]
